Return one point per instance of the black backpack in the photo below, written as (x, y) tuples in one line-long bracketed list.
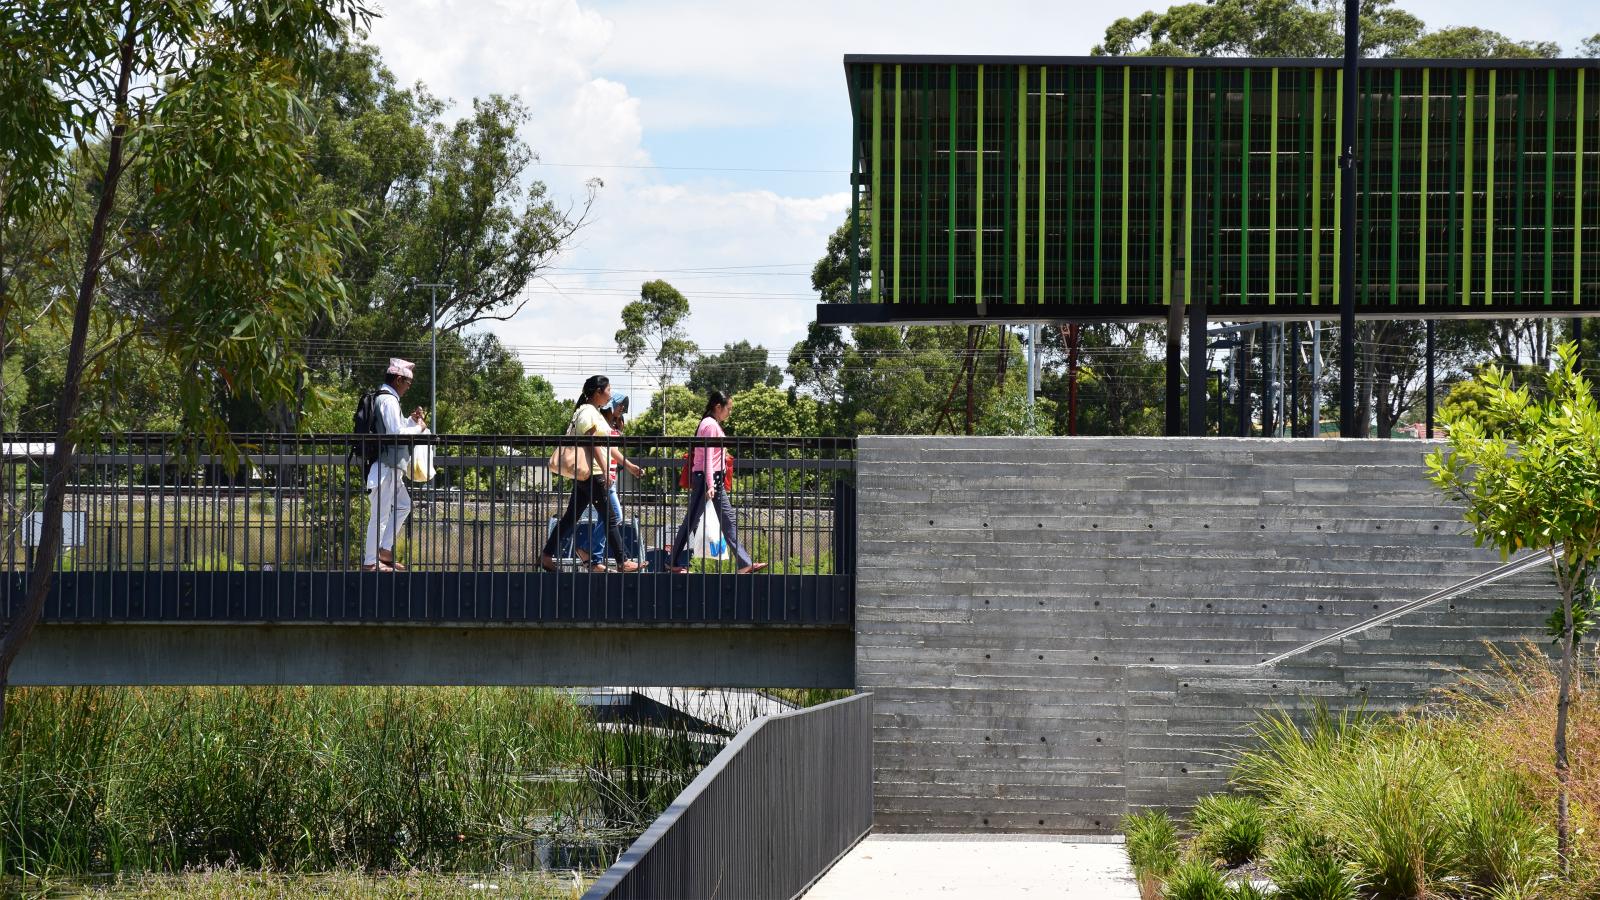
[(366, 422)]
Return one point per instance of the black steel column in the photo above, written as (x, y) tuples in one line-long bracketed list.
[(1347, 225), (1174, 370), (1241, 370), (1198, 374), (1429, 352), (1292, 407)]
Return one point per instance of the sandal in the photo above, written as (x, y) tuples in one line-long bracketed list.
[(678, 570), (752, 568), (629, 565), (398, 567), (547, 563), (596, 568), (380, 566)]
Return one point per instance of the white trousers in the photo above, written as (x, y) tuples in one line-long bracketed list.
[(391, 504)]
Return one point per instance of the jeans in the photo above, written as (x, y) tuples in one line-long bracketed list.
[(597, 535), (594, 492), (691, 518)]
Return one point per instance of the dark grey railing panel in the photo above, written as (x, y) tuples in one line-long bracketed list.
[(784, 800)]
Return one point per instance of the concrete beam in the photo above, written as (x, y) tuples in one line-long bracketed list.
[(208, 654)]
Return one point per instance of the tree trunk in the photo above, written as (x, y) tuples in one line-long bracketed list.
[(1364, 404), (974, 344), (42, 564), (1563, 771)]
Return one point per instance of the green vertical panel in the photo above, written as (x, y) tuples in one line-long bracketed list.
[(1549, 186), (1466, 199), (1394, 192), (1488, 198), (1166, 190), (1244, 199), (1022, 181), (1188, 183), (1070, 79), (925, 177), (855, 191), (1316, 187), (1338, 192), (1452, 191), (950, 267), (1302, 206), (1044, 92), (1099, 168), (895, 286), (1218, 93), (874, 259), (978, 197), (1520, 218), (1003, 189), (1577, 201), (1422, 203), (1272, 196), (1127, 111), (1366, 85)]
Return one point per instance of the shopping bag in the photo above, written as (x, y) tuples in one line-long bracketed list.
[(706, 541), (420, 467), (565, 461)]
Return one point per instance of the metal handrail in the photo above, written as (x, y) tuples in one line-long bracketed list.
[(1500, 573)]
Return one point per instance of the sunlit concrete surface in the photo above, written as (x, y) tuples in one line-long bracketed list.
[(981, 867)]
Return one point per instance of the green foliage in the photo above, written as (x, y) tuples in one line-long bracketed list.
[(1152, 843), (1409, 807), (739, 367), (679, 405), (1230, 828), (99, 780), (335, 513), (1295, 28), (1302, 875), (765, 411), (215, 561), (1196, 880)]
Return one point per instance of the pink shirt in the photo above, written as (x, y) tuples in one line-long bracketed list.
[(709, 459)]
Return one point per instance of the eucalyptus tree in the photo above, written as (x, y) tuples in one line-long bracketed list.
[(183, 124)]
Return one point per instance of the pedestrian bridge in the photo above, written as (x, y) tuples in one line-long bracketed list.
[(185, 567)]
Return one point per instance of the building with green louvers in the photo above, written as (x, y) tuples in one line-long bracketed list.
[(1106, 188)]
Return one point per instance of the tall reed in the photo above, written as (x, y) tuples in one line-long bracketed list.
[(318, 778)]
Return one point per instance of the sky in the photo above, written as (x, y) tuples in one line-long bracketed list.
[(721, 132)]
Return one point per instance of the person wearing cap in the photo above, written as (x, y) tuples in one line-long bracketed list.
[(386, 487), (615, 413)]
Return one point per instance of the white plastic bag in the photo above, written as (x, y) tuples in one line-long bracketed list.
[(706, 541), (420, 467)]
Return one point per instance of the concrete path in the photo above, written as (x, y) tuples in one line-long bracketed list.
[(981, 867)]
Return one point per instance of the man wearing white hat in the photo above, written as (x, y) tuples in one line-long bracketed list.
[(391, 503)]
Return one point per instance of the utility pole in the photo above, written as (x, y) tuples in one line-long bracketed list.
[(1347, 225), (433, 344), (1430, 377), (1316, 379), (1033, 370)]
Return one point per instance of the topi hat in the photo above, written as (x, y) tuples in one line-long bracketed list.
[(402, 367)]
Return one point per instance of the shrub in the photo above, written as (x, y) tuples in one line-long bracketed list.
[(1196, 880), (1230, 828), (1152, 846), (1247, 891), (1304, 876), (1504, 844)]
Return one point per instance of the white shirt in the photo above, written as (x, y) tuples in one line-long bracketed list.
[(390, 417)]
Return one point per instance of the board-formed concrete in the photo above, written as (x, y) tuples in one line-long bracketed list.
[(1029, 610)]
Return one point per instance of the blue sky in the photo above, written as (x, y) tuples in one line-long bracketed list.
[(628, 91)]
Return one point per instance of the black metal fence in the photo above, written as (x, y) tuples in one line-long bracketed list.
[(789, 796), (156, 528)]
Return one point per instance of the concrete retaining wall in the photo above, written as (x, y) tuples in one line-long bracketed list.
[(1031, 612)]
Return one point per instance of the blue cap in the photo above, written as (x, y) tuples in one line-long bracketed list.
[(619, 402)]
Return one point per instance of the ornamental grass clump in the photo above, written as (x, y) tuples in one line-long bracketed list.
[(1197, 880), (1231, 829), (1153, 849)]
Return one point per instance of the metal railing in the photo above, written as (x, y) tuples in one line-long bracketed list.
[(1518, 566), (789, 796), (299, 505)]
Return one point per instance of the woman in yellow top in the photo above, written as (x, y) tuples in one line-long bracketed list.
[(595, 491)]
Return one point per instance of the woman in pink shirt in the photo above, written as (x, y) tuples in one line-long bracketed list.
[(708, 470)]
